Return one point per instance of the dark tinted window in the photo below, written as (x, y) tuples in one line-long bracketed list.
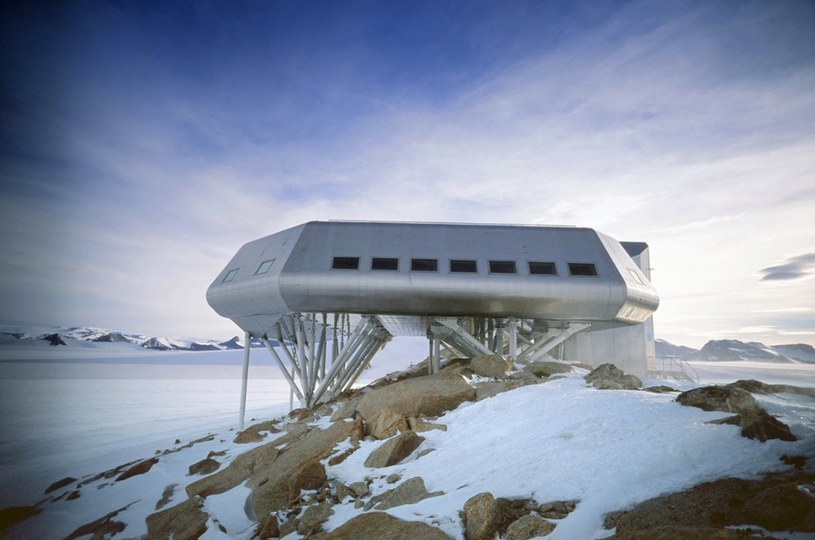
[(582, 269), (230, 275), (463, 266), (424, 265), (383, 263), (345, 263), (543, 268), (502, 267)]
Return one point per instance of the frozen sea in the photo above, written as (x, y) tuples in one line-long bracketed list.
[(79, 410)]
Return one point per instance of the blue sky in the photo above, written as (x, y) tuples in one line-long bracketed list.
[(143, 143)]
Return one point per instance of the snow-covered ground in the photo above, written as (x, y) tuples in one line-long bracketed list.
[(83, 414)]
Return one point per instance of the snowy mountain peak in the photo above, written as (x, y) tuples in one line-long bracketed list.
[(665, 349), (733, 349)]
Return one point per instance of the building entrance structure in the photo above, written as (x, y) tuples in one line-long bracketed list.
[(325, 297)]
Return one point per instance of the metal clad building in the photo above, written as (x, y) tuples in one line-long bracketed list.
[(470, 288)]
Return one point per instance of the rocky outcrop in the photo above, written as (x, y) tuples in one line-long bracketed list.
[(298, 467), (382, 526), (529, 526), (245, 465), (557, 509), (757, 387), (719, 398), (754, 421), (418, 425), (486, 517), (104, 527), (778, 502), (386, 423), (488, 389), (610, 377), (394, 450), (256, 432), (67, 481), (762, 426), (547, 369), (13, 515), (139, 468), (185, 521), (427, 396), (313, 518), (783, 507), (410, 491), (205, 466), (490, 365)]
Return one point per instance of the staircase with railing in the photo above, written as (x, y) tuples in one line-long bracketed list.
[(676, 368)]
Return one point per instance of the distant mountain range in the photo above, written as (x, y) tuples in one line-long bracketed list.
[(63, 337), (733, 349), (714, 350)]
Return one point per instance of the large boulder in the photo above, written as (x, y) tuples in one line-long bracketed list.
[(428, 396), (382, 526), (205, 466), (298, 467), (610, 377), (486, 517), (142, 467), (762, 426), (529, 526), (394, 450), (313, 518), (547, 369), (385, 424), (410, 491), (185, 521), (720, 398), (104, 527), (490, 365)]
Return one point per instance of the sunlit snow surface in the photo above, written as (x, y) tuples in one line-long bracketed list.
[(559, 440)]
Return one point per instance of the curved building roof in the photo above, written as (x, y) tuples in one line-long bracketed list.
[(433, 269)]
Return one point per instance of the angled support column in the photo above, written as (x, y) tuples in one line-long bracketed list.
[(352, 357), (543, 346), (282, 366), (448, 330)]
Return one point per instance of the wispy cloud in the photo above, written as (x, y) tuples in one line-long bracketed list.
[(696, 225), (797, 267), (786, 310)]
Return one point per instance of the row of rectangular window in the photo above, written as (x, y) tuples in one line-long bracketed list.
[(457, 266), (464, 266)]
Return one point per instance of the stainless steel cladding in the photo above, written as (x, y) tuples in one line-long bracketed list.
[(433, 270)]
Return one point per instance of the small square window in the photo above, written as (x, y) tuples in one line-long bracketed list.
[(230, 275), (384, 263), (463, 266), (424, 265), (542, 268), (345, 263), (502, 267), (582, 269), (264, 267)]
